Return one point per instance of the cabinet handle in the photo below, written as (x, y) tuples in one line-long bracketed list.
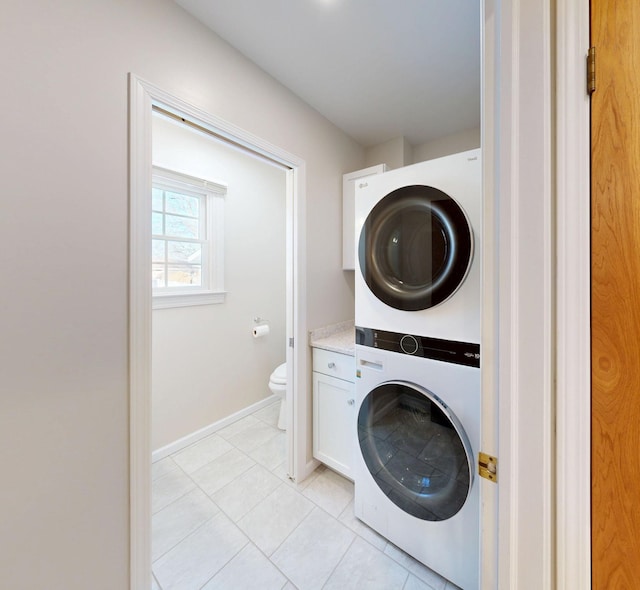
[(331, 365), (351, 401)]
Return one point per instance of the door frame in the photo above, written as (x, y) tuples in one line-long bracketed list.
[(526, 328), (573, 186), (536, 137), (536, 308), (515, 34), (142, 97)]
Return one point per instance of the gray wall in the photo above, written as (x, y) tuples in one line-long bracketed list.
[(64, 408), (445, 146), (398, 152)]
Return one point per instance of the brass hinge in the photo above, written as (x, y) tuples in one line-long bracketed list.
[(591, 71), (488, 467)]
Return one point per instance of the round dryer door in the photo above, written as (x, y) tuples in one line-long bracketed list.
[(415, 248), (416, 450)]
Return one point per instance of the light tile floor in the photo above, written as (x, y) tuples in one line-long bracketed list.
[(226, 517)]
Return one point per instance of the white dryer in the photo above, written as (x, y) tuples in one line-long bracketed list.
[(418, 233), (418, 431)]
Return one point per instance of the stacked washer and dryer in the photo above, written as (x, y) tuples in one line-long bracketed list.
[(418, 393)]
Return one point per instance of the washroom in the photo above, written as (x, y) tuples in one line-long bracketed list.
[(221, 247)]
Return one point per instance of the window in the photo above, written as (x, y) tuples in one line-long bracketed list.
[(187, 240)]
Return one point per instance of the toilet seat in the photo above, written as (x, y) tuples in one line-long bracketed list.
[(278, 386), (279, 376)]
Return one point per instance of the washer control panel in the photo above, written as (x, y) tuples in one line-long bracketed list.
[(409, 344), (449, 351)]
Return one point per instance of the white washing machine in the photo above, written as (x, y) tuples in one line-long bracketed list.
[(418, 432), (418, 233)]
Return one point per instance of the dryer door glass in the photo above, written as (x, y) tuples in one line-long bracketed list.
[(415, 248), (416, 450)]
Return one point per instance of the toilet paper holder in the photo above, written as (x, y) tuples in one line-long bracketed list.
[(260, 330), (259, 320)]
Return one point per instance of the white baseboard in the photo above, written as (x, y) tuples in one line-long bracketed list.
[(194, 437)]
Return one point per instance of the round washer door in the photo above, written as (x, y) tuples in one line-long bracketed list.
[(415, 248), (416, 450)]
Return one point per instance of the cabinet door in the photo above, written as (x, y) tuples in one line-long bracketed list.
[(333, 422), (348, 212)]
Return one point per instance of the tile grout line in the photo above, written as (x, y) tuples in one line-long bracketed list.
[(234, 479), (227, 562), (288, 580), (222, 511), (198, 487), (190, 534), (179, 497), (295, 528), (235, 523), (335, 567), (294, 487)]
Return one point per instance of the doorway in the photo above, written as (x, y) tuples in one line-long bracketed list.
[(506, 133), (143, 98), (219, 273)]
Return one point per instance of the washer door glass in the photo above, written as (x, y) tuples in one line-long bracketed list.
[(416, 450), (415, 248)]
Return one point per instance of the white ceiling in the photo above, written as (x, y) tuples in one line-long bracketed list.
[(378, 69)]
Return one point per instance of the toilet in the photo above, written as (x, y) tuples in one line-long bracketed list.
[(278, 386)]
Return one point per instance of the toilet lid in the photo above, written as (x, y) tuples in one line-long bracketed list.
[(280, 374)]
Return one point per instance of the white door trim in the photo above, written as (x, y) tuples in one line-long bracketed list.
[(541, 218), (573, 512), (521, 289), (142, 97), (489, 430), (139, 335)]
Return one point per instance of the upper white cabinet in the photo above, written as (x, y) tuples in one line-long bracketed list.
[(349, 182)]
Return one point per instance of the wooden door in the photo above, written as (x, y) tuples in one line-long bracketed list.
[(615, 290)]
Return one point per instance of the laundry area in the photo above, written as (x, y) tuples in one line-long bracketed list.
[(300, 260), (395, 417), (387, 401), (418, 384)]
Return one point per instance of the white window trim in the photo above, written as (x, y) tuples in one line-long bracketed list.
[(214, 193)]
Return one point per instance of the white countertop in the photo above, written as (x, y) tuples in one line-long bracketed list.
[(336, 337)]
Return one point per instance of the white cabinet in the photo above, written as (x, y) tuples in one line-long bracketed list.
[(348, 212), (334, 418)]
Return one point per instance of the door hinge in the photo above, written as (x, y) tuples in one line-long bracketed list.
[(591, 71), (290, 342), (488, 467)]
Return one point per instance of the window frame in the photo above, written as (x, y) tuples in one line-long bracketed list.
[(212, 223)]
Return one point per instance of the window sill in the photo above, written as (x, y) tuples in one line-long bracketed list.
[(168, 300)]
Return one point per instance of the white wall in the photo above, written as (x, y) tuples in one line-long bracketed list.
[(462, 141), (398, 152), (206, 363), (64, 349), (395, 153)]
